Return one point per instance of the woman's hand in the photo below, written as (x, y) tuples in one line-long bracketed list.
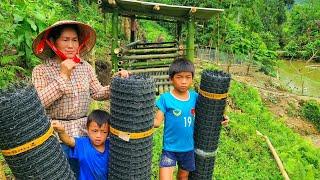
[(122, 73), (225, 121), (57, 126), (66, 68)]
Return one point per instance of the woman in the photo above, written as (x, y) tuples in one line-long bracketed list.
[(64, 81)]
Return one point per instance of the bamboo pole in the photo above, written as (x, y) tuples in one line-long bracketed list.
[(152, 18), (115, 22), (157, 43), (160, 77), (133, 43), (179, 30), (156, 47), (163, 83), (146, 51), (150, 56), (276, 157), (147, 64), (136, 71), (190, 39)]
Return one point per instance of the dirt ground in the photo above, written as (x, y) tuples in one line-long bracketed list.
[(281, 102)]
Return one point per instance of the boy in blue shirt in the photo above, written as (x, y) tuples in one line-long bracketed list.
[(177, 109), (92, 152)]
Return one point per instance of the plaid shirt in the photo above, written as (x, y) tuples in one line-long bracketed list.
[(68, 100)]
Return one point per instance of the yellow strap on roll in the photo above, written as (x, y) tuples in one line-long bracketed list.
[(127, 136), (29, 145), (213, 95)]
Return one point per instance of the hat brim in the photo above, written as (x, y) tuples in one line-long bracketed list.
[(84, 31)]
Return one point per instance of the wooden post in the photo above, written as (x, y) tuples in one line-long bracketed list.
[(115, 22), (133, 28), (179, 30), (190, 39)]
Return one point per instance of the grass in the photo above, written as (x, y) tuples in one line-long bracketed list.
[(244, 155)]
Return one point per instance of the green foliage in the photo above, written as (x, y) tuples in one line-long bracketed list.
[(241, 41), (156, 152), (311, 111), (23, 21), (8, 70), (6, 169), (291, 48), (302, 29), (154, 31), (91, 14)]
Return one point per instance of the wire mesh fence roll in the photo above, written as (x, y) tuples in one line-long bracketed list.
[(132, 111), (23, 121), (209, 115)]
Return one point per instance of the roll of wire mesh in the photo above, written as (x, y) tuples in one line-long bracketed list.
[(132, 111), (209, 115), (23, 120)]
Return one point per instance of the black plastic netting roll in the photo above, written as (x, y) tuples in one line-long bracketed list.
[(132, 110), (209, 114), (23, 119)]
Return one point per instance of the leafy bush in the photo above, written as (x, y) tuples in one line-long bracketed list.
[(311, 111)]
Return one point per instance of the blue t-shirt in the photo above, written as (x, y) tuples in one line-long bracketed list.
[(93, 164), (179, 121)]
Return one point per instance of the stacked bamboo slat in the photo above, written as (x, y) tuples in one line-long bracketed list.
[(139, 58)]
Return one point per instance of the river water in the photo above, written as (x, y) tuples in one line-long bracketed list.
[(299, 77)]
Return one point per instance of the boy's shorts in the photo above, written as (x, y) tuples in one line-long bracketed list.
[(185, 160)]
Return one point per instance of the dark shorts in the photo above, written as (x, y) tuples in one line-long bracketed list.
[(185, 160)]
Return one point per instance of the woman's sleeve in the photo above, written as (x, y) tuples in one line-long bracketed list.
[(49, 92), (97, 91)]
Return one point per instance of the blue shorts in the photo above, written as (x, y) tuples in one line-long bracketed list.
[(185, 160)]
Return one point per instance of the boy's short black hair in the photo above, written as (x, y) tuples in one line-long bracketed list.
[(99, 116), (181, 64)]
